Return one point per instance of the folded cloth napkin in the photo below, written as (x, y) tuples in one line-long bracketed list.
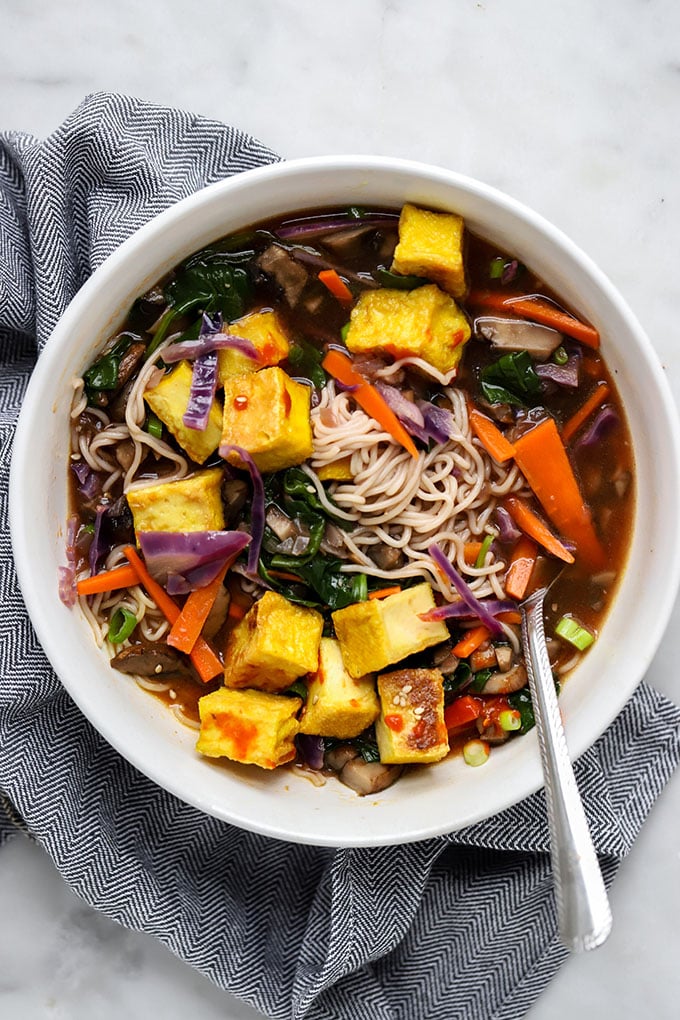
[(460, 926)]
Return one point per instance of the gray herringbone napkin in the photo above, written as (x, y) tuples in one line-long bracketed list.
[(460, 926)]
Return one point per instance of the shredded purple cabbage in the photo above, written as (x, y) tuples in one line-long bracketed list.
[(257, 507), (439, 423), (563, 375), (99, 547), (605, 420), (186, 560), (461, 611), (465, 591), (408, 413), (202, 392), (311, 750), (507, 529), (189, 350), (509, 271), (89, 482), (308, 228)]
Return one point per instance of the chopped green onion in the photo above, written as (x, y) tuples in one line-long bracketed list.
[(560, 356), (88, 529), (496, 268), (162, 329), (509, 720), (481, 555), (154, 426), (344, 331), (121, 625), (475, 752), (398, 281), (569, 630), (480, 679)]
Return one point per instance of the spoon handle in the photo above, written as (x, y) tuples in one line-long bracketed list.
[(583, 912)]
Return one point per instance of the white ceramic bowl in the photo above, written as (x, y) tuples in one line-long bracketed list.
[(431, 800)]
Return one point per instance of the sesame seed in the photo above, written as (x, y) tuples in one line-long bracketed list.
[(158, 669), (315, 699), (395, 699), (407, 688), (418, 710), (173, 695)]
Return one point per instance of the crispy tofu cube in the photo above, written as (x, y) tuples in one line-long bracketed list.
[(248, 726), (337, 471), (169, 401), (337, 704), (189, 504), (380, 632), (431, 245), (267, 414), (423, 323), (410, 728), (274, 644), (267, 336)]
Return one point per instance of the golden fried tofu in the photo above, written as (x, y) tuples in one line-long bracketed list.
[(275, 643), (267, 414), (380, 632), (266, 334), (337, 471), (248, 726), (189, 504), (337, 704), (423, 323), (431, 245), (169, 399), (410, 728)]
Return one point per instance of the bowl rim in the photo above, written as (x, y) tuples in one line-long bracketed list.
[(48, 362)]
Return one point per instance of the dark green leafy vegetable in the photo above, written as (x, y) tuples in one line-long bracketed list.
[(511, 380), (213, 282), (367, 746), (479, 680), (306, 360), (455, 681), (297, 690), (103, 374), (521, 702), (395, 281), (322, 575)]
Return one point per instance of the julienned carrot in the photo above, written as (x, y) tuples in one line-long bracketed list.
[(383, 593), (471, 641), (539, 310), (375, 405), (471, 551), (462, 711), (522, 563), (512, 616), (597, 397), (490, 300), (283, 575), (336, 285), (187, 628), (204, 659), (109, 580), (542, 458), (533, 526), (491, 438)]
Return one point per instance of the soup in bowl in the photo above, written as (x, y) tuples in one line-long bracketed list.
[(321, 428)]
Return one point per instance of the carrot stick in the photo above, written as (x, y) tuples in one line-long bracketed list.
[(539, 310), (382, 593), (109, 580), (187, 628), (471, 551), (375, 405), (491, 438), (283, 575), (462, 711), (533, 526), (336, 285), (491, 300), (597, 397), (542, 459), (521, 567), (471, 641), (204, 659), (510, 617)]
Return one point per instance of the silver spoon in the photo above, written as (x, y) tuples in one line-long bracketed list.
[(583, 912)]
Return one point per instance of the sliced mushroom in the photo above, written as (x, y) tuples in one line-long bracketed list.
[(288, 274), (338, 756), (367, 777), (125, 453), (117, 524), (387, 557), (234, 498), (151, 660), (492, 733), (350, 243), (504, 657), (445, 661), (281, 524), (506, 683), (129, 362), (519, 335)]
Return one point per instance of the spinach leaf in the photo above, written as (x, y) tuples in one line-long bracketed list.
[(306, 360), (397, 281), (299, 495), (103, 374), (455, 681), (479, 680), (322, 575), (511, 380), (367, 746), (521, 702), (213, 282)]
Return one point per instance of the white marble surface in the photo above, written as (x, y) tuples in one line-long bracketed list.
[(573, 108)]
